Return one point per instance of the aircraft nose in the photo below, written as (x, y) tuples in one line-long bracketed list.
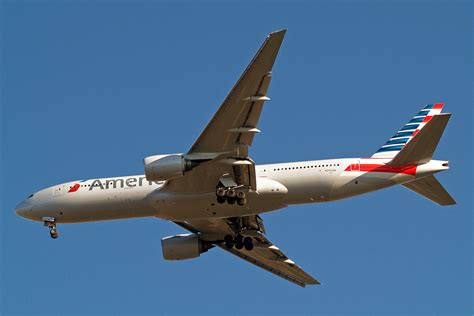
[(23, 208)]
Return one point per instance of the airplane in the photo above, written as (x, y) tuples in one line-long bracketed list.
[(217, 192)]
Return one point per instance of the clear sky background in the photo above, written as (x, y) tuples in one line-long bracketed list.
[(89, 88)]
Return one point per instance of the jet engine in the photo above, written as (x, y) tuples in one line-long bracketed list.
[(183, 246), (166, 167)]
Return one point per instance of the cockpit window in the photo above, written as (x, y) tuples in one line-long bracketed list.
[(30, 196)]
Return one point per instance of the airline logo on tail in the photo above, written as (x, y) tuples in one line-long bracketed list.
[(406, 133)]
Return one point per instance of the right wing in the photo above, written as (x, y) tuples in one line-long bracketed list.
[(264, 254)]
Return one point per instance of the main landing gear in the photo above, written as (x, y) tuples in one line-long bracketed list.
[(239, 242), (51, 223), (231, 195)]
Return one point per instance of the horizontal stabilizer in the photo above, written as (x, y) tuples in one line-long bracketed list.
[(431, 189), (420, 149)]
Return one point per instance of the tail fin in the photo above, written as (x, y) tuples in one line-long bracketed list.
[(420, 149), (395, 144), (431, 189)]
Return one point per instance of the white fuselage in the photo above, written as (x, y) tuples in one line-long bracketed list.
[(278, 185)]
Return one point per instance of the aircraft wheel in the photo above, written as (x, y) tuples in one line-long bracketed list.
[(228, 238), (53, 233), (231, 193), (221, 192), (248, 246), (248, 243), (229, 245), (220, 199), (239, 245), (238, 239), (241, 195), (242, 201), (231, 201)]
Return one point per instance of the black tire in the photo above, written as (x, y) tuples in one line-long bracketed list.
[(220, 200), (241, 194), (238, 239), (248, 240), (221, 192), (54, 236), (248, 246), (229, 245), (231, 193), (231, 201), (239, 245), (241, 201), (228, 238)]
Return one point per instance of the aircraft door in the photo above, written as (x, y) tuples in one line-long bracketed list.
[(355, 166)]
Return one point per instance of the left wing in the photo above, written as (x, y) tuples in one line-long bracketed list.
[(233, 126), (264, 254), (222, 147)]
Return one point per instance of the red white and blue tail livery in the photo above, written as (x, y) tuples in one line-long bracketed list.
[(408, 131)]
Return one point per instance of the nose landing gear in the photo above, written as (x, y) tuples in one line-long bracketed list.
[(54, 233), (51, 223)]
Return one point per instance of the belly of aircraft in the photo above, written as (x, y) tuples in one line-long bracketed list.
[(178, 207)]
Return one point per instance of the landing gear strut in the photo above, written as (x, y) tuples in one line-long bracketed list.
[(230, 195), (51, 223)]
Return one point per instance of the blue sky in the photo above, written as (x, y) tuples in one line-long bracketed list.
[(89, 88)]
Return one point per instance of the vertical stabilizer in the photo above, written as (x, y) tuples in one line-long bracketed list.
[(421, 148), (393, 146)]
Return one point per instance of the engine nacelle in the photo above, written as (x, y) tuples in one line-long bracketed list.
[(166, 167), (183, 246)]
